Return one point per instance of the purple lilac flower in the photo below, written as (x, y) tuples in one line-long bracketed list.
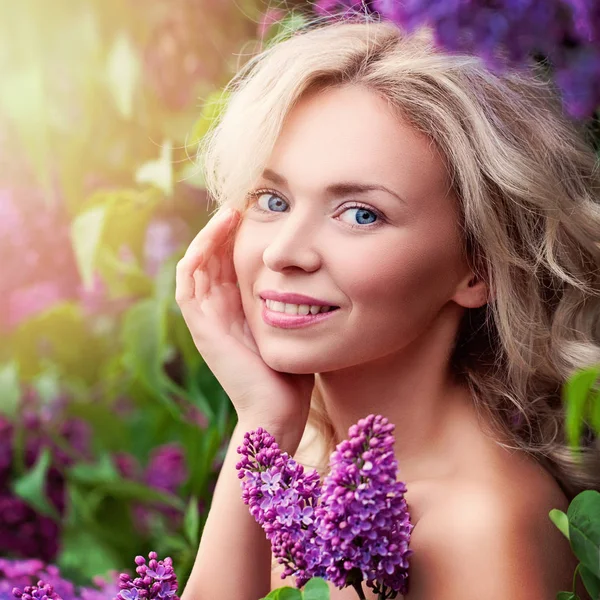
[(354, 527), (166, 469), (363, 524), (23, 578), (24, 575), (281, 498), (156, 580), (23, 531), (507, 33), (41, 591)]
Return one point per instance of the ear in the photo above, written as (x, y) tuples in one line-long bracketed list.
[(471, 292)]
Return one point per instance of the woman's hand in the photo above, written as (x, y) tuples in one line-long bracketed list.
[(211, 305)]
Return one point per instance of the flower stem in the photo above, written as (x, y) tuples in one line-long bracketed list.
[(575, 576), (357, 585)]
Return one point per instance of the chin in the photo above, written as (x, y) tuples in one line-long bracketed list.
[(299, 362), (299, 366)]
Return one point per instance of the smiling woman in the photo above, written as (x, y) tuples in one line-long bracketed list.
[(416, 237)]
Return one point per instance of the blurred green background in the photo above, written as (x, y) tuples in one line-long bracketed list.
[(112, 430)]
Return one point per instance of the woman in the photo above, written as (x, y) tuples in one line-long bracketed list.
[(414, 236)]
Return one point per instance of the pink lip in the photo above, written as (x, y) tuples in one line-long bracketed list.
[(286, 321), (293, 298)]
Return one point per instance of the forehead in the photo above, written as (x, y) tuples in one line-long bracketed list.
[(351, 133)]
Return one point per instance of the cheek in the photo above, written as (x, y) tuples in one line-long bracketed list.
[(402, 275), (395, 294)]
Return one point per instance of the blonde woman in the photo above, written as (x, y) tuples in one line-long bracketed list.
[(403, 233)]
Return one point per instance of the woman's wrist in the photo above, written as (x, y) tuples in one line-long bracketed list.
[(287, 438)]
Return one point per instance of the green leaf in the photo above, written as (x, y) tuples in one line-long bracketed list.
[(560, 519), (209, 115), (591, 582), (86, 233), (286, 28), (584, 529), (316, 589), (122, 74), (57, 337), (595, 411), (145, 347), (128, 213), (284, 593), (566, 596), (576, 393), (10, 389), (94, 474), (143, 340), (191, 521), (173, 543), (125, 489), (31, 486), (81, 506), (159, 172), (111, 434), (86, 554)]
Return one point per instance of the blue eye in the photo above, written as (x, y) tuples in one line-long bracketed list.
[(365, 216), (361, 214), (274, 202)]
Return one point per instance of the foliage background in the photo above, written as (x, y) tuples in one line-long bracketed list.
[(112, 429)]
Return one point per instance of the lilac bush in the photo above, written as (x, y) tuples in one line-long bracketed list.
[(508, 33), (166, 471), (23, 530), (353, 527)]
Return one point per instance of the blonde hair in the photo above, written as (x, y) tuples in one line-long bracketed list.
[(528, 187)]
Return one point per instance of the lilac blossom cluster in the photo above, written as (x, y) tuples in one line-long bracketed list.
[(507, 33), (24, 576), (31, 580), (282, 498), (354, 527), (363, 520), (166, 471), (23, 531), (156, 580)]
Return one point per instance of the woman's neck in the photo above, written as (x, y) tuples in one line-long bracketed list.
[(416, 391)]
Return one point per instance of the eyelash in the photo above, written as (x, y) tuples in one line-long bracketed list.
[(380, 217)]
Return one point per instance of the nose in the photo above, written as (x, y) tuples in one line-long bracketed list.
[(291, 244)]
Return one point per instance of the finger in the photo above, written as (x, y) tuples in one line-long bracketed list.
[(201, 283), (223, 271), (199, 249), (210, 235), (227, 267)]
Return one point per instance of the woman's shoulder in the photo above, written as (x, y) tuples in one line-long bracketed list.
[(492, 533)]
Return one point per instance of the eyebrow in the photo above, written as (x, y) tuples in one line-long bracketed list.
[(343, 188)]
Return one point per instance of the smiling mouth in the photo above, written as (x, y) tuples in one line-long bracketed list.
[(285, 308)]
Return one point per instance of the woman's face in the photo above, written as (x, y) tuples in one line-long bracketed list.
[(353, 209)]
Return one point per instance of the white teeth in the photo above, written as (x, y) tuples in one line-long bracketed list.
[(295, 309)]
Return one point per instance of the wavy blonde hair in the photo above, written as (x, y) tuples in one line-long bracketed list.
[(528, 186)]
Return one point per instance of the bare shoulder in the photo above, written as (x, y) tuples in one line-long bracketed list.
[(491, 541)]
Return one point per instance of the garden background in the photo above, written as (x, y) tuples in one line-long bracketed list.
[(112, 430)]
